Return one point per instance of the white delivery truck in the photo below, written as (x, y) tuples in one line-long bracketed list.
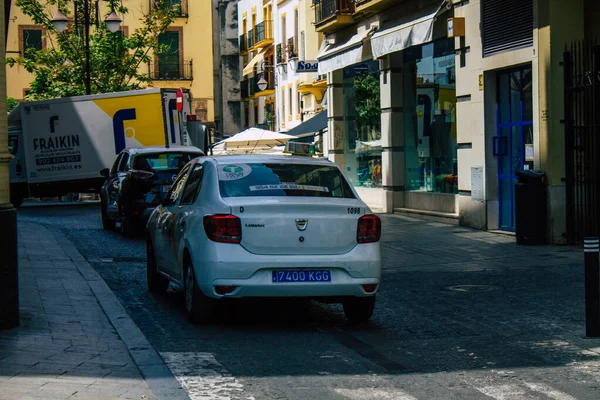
[(60, 145)]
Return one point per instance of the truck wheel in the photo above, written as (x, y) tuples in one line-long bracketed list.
[(107, 223), (16, 198), (359, 309)]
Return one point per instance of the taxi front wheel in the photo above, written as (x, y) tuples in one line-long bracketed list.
[(359, 309)]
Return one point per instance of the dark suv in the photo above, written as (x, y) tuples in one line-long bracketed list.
[(137, 182)]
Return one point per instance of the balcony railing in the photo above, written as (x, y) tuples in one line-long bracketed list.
[(292, 51), (251, 40), (182, 6), (280, 54), (252, 86), (244, 89), (172, 71), (243, 44), (326, 9), (263, 31)]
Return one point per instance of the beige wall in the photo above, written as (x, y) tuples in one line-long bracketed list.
[(197, 46)]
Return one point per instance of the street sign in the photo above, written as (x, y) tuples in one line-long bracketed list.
[(307, 66), (179, 100)]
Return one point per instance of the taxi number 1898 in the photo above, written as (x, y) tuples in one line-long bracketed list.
[(353, 210)]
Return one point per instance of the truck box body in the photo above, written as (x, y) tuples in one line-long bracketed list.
[(66, 142)]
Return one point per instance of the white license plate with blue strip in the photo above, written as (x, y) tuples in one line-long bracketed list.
[(295, 276)]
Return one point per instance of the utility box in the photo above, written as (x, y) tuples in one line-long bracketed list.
[(530, 207)]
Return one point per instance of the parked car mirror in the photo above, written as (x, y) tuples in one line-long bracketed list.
[(105, 172)]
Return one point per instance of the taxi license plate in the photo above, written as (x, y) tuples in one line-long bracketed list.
[(294, 276)]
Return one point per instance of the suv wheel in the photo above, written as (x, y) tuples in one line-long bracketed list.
[(156, 282), (107, 223), (359, 309), (199, 307)]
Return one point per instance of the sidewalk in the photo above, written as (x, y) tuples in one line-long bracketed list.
[(75, 341)]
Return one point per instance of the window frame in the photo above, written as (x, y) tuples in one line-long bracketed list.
[(22, 29), (188, 183), (179, 30)]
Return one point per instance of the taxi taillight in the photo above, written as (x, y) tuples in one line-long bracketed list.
[(369, 229), (223, 228)]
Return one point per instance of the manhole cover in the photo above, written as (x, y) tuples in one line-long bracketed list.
[(472, 288)]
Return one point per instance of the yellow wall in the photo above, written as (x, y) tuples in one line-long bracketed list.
[(197, 46)]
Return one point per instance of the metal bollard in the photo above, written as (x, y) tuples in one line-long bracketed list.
[(591, 247)]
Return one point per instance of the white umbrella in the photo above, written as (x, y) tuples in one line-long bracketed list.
[(259, 138)]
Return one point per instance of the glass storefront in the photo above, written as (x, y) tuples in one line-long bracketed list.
[(430, 117), (362, 124)]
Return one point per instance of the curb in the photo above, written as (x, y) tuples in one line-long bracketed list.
[(59, 204), (159, 377)]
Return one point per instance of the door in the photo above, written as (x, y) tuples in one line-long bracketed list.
[(513, 143), (164, 225), (175, 231)]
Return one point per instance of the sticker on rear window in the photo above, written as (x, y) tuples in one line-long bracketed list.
[(289, 186), (234, 172)]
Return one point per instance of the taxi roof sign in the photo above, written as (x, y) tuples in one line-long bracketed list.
[(299, 149)]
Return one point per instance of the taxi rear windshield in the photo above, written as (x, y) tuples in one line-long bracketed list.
[(291, 180)]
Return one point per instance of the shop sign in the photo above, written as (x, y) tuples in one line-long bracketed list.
[(307, 66)]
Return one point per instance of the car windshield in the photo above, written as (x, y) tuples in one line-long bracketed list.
[(158, 162), (241, 180)]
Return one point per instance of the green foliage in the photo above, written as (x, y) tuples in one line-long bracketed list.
[(368, 104), (11, 104), (59, 70)]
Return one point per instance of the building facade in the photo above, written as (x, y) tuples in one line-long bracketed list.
[(184, 67), (227, 71), (468, 92)]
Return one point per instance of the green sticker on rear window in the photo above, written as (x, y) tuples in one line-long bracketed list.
[(234, 172)]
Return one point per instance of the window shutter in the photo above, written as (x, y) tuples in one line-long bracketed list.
[(506, 25)]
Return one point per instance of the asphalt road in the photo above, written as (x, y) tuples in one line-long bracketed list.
[(462, 314)]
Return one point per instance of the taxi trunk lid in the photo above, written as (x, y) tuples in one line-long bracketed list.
[(297, 226)]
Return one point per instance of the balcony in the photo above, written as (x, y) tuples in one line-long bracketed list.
[(263, 34), (369, 7), (281, 56), (292, 50), (333, 15), (252, 88), (244, 89), (243, 43), (251, 40), (172, 71), (182, 7)]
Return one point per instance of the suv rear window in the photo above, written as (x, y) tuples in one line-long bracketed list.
[(159, 162), (241, 180)]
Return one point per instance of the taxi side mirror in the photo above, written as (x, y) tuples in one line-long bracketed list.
[(105, 172)]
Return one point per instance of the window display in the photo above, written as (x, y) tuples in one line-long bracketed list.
[(430, 117), (362, 124)]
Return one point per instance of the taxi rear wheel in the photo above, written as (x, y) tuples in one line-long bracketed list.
[(156, 282), (198, 306), (359, 309)]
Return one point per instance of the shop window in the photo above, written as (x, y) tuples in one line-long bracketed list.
[(362, 124), (430, 117)]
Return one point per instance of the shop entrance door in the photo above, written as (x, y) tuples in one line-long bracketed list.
[(513, 143)]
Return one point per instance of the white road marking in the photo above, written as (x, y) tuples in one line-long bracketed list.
[(374, 394), (549, 391), (530, 390), (203, 377)]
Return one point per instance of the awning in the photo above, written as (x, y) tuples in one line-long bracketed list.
[(248, 69), (414, 29), (343, 53), (313, 125)]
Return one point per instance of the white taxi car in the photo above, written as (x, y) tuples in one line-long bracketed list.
[(264, 226)]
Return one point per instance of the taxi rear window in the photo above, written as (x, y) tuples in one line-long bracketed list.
[(291, 180)]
